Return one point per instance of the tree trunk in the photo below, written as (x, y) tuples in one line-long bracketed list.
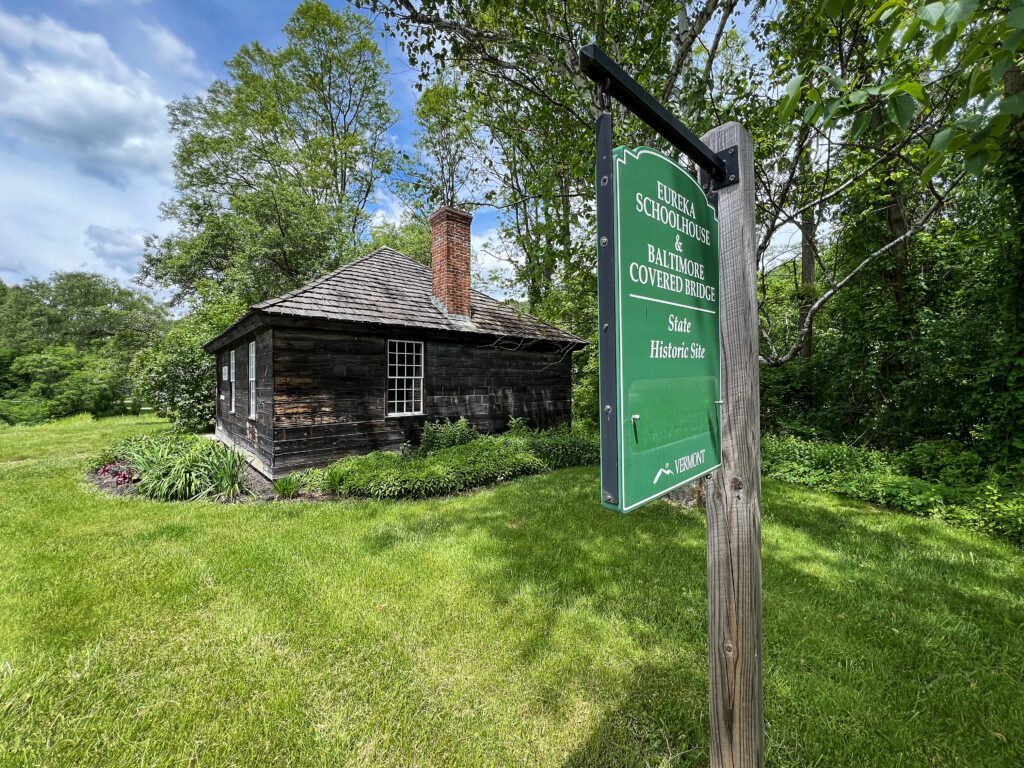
[(808, 230)]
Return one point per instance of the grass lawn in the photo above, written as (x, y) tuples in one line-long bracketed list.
[(519, 626)]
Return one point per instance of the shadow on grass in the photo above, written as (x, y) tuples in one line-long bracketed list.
[(902, 603)]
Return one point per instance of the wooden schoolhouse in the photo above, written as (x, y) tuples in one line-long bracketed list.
[(360, 358)]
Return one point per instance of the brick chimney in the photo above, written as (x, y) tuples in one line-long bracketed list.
[(449, 260)]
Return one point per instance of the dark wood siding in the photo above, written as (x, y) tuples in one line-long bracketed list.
[(253, 435), (329, 391)]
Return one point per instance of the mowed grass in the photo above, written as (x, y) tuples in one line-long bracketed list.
[(519, 626)]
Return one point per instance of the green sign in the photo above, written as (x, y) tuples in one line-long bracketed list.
[(667, 397)]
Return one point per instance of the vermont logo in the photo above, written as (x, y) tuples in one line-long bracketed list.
[(663, 471)]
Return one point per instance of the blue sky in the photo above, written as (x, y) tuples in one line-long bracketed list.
[(84, 147)]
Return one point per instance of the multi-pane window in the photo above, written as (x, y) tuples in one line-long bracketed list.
[(252, 379), (405, 378), (231, 365)]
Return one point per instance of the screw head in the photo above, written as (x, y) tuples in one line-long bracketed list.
[(704, 187), (607, 409), (604, 181), (732, 177), (607, 497), (732, 150), (604, 241)]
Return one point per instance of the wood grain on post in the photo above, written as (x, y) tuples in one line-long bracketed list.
[(734, 490)]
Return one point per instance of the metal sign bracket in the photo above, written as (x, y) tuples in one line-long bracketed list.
[(731, 176)]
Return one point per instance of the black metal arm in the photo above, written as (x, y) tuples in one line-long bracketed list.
[(596, 65)]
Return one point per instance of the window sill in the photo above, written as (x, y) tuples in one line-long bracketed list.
[(404, 415)]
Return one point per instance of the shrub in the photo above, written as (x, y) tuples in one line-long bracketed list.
[(174, 374), (385, 475), (438, 435), (562, 447), (288, 487), (518, 425), (944, 462), (121, 451), (173, 467), (902, 482), (1003, 513), (313, 480)]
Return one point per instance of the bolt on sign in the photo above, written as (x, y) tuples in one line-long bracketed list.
[(665, 407)]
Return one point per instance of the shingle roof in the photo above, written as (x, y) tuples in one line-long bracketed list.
[(386, 287)]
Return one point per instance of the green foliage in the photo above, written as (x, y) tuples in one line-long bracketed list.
[(175, 374), (943, 461), (518, 425), (410, 236), (121, 451), (176, 467), (891, 641), (448, 167), (456, 458), (958, 46), (447, 434), (443, 471), (951, 491), (66, 344), (564, 447), (288, 487), (314, 481), (896, 356), (276, 164)]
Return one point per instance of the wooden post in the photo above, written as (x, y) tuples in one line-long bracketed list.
[(734, 490)]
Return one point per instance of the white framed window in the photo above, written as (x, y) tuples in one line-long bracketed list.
[(405, 378), (252, 379), (231, 383)]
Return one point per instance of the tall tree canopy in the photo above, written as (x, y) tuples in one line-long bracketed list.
[(277, 164), (66, 344), (868, 119)]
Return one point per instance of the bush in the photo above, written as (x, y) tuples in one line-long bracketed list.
[(943, 462), (121, 451), (438, 435), (174, 374), (173, 467), (313, 481), (1002, 513), (932, 479), (562, 447), (288, 487), (385, 475)]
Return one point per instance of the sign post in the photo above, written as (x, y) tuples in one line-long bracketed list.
[(677, 314), (734, 491)]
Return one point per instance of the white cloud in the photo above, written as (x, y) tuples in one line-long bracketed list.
[(171, 51), (387, 208), (117, 247), (47, 211), (66, 93)]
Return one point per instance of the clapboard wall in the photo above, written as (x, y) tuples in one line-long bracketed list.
[(252, 435), (329, 391)]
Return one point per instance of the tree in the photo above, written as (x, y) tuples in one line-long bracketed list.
[(518, 69), (174, 373), (410, 236), (66, 344), (277, 163), (962, 49), (446, 168)]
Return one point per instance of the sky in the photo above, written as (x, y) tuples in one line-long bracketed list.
[(85, 151)]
